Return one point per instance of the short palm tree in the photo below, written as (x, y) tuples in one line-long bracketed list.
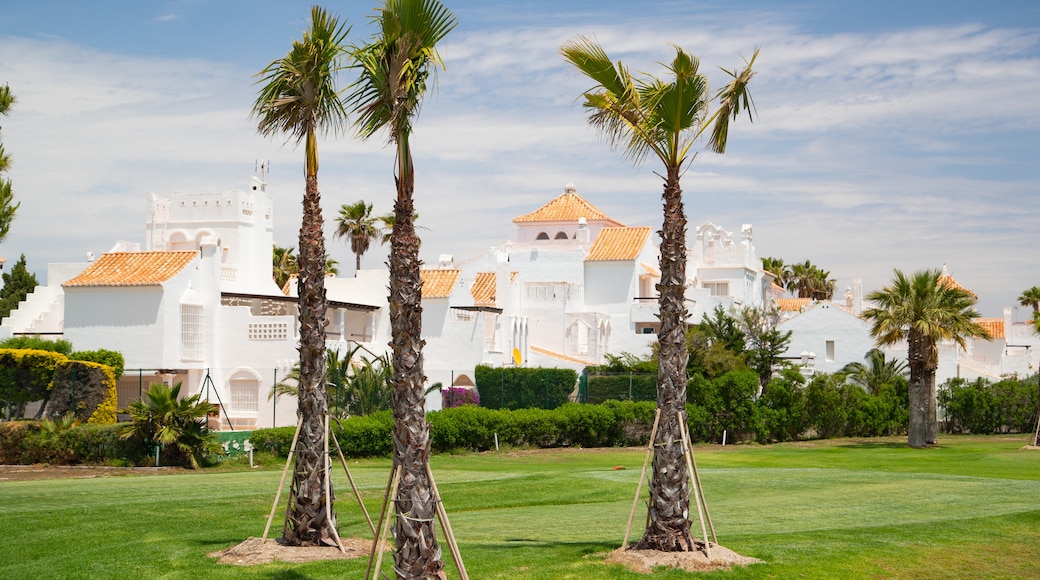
[(646, 117), (355, 222), (394, 70), (1031, 297), (283, 265), (299, 99), (811, 281), (923, 311), (876, 373), (177, 425)]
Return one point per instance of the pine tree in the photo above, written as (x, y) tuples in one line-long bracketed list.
[(7, 205), (18, 283)]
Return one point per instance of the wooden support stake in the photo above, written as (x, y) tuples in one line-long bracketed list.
[(389, 501), (697, 478), (687, 451), (357, 493), (642, 476), (327, 464), (281, 484), (449, 535)]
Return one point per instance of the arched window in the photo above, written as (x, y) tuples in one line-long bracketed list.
[(244, 387), (542, 236), (562, 236)]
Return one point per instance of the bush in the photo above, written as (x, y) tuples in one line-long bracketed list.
[(109, 358), (621, 387), (982, 407), (458, 396), (26, 375), (28, 442)]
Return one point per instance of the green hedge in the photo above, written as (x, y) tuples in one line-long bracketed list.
[(521, 388), (29, 442), (982, 407), (620, 387)]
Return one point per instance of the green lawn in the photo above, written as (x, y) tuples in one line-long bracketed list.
[(969, 508)]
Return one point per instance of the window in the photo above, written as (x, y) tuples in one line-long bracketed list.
[(542, 236), (562, 236), (647, 330), (268, 331), (830, 351), (244, 394), (717, 288), (191, 332)]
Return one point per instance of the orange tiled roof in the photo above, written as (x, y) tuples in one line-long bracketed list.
[(792, 304), (438, 283), (483, 289), (568, 207), (949, 282), (133, 269), (994, 326), (618, 244)]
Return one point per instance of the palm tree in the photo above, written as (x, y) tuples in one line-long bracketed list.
[(393, 72), (652, 117), (283, 265), (356, 223), (811, 281), (776, 267), (922, 310), (299, 99), (877, 373), (386, 230), (178, 425), (1031, 297)]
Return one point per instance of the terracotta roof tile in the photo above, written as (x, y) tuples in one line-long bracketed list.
[(438, 283), (792, 304), (133, 269), (618, 244), (568, 207), (483, 289), (994, 326), (949, 282)]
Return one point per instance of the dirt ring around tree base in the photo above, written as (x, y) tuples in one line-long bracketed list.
[(644, 561), (256, 551)]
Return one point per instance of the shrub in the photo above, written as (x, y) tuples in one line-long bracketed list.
[(621, 387), (176, 425), (109, 358), (26, 375), (459, 396)]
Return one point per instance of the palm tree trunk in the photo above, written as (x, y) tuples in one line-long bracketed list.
[(418, 554), (669, 527), (306, 523), (917, 430)]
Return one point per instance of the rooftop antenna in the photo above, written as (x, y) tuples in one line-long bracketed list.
[(262, 166)]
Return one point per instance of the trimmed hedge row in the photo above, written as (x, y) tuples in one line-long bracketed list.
[(613, 424), (519, 387), (29, 442)]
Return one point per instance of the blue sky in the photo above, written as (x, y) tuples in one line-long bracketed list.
[(889, 134)]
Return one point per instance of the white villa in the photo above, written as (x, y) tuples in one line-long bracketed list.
[(198, 306)]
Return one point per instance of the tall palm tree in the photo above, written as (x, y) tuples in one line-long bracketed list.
[(393, 70), (876, 373), (923, 311), (811, 281), (355, 222), (1031, 297), (646, 117), (299, 99)]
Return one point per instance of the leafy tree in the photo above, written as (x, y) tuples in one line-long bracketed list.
[(18, 283), (922, 310), (393, 70), (355, 222), (178, 425), (299, 98), (764, 344), (1031, 297), (722, 328), (645, 117), (876, 374), (7, 205)]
